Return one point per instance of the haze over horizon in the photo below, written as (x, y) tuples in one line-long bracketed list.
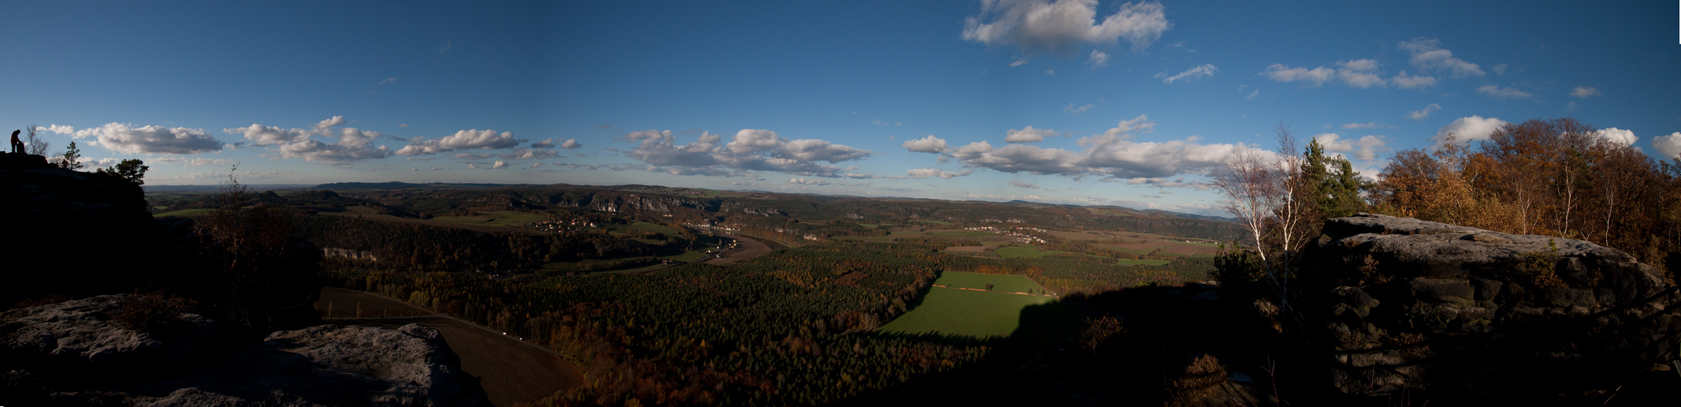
[(1067, 101)]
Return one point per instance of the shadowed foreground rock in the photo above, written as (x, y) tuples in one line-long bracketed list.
[(71, 353), (1459, 313)]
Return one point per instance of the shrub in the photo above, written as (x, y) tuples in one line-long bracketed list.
[(152, 312)]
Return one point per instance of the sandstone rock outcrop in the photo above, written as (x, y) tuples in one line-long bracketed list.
[(72, 353), (1465, 313)]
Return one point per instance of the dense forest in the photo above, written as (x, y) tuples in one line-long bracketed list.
[(787, 328), (1546, 177)]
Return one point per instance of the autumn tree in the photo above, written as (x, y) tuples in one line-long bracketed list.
[(1267, 193)]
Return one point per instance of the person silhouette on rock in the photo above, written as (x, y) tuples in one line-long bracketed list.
[(17, 146)]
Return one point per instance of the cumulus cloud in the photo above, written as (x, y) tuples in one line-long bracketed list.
[(1193, 73), (1616, 135), (1164, 183), (1499, 92), (1282, 73), (1023, 185), (1076, 110), (571, 144), (1098, 59), (749, 149), (1420, 114), (352, 144), (191, 162), (1110, 154), (935, 172), (543, 144), (803, 181), (126, 138), (462, 140), (1669, 147), (1404, 81), (499, 165), (1428, 55), (1018, 62), (516, 154), (1058, 26), (1585, 92), (1027, 135), (928, 144), (1468, 129), (1363, 149), (60, 129), (1360, 73)]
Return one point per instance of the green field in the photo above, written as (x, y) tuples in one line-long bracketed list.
[(495, 218), (1028, 252), (969, 313), (1000, 282), (185, 212)]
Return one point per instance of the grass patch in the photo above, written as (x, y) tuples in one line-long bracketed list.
[(961, 233), (495, 218), (969, 313), (185, 213), (1000, 282)]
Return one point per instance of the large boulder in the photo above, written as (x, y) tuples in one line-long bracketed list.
[(1431, 308), (76, 353), (79, 344)]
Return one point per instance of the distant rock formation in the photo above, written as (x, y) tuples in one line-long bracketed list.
[(1462, 313), (72, 353)]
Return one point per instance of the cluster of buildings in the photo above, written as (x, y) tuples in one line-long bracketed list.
[(561, 226), (1020, 237)]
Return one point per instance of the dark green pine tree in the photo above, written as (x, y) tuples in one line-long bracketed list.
[(1335, 194)]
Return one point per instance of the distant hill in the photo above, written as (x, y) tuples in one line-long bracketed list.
[(404, 185)]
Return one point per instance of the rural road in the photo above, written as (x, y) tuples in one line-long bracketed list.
[(510, 370)]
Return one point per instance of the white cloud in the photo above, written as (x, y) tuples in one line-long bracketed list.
[(1018, 62), (543, 144), (1420, 114), (1363, 149), (1023, 185), (1027, 135), (1193, 73), (1252, 95), (1076, 110), (125, 138), (1428, 55), (1616, 135), (191, 162), (472, 166), (516, 154), (1362, 125), (1499, 92), (1051, 72), (1585, 91), (352, 145), (1057, 26), (928, 144), (388, 80), (750, 150), (802, 181), (60, 129), (1500, 69), (571, 144), (499, 165), (1360, 73), (1669, 147), (1468, 129), (461, 140), (935, 172), (1124, 128), (1098, 59), (404, 125), (1404, 81), (1110, 154), (1282, 73)]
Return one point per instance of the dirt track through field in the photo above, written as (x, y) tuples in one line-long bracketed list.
[(746, 249), (510, 370)]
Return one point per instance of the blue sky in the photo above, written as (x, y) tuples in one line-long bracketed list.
[(1062, 101)]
